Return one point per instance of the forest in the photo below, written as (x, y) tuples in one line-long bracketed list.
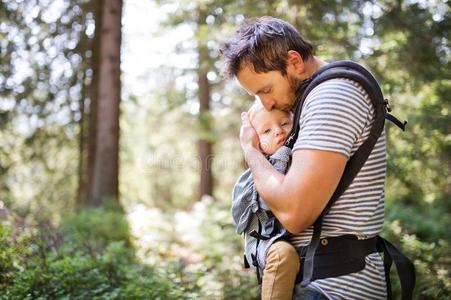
[(119, 141)]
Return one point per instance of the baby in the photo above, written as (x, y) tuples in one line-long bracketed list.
[(279, 259)]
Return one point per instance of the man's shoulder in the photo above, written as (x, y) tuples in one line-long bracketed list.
[(335, 114), (339, 91), (339, 85)]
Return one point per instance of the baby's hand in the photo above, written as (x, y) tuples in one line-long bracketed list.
[(248, 135)]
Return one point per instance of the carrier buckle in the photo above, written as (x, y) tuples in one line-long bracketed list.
[(387, 105)]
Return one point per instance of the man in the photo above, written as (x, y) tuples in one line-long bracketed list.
[(270, 59)]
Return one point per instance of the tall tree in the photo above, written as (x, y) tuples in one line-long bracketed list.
[(205, 144), (105, 105), (88, 120), (88, 107), (196, 14)]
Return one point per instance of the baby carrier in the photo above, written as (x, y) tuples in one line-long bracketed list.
[(334, 256), (254, 219)]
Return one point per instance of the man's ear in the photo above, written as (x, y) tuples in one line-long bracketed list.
[(295, 62)]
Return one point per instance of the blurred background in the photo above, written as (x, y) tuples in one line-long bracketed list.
[(119, 141)]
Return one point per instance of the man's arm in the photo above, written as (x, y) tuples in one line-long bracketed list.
[(298, 197)]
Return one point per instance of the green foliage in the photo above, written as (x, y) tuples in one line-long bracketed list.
[(92, 229), (428, 226), (42, 82), (431, 259), (220, 250), (12, 249), (66, 269), (198, 255), (193, 255), (159, 169), (200, 248), (112, 275)]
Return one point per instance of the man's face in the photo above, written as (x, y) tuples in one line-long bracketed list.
[(274, 90)]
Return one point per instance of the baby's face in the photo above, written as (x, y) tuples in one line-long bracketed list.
[(272, 128)]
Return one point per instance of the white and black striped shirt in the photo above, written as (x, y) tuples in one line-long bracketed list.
[(337, 116)]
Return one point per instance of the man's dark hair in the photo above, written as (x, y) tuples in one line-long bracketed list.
[(264, 42)]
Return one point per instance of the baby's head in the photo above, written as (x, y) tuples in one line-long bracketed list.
[(272, 126)]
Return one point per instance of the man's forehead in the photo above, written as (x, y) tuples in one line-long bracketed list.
[(246, 71)]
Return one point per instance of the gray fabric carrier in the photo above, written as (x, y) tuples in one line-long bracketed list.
[(253, 217)]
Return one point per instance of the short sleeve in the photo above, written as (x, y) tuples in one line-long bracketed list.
[(334, 116)]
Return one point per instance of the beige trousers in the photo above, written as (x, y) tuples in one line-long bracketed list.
[(282, 266)]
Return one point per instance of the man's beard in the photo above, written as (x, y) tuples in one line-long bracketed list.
[(294, 84), (294, 95), (298, 87)]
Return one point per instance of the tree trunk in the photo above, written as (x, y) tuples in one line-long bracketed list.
[(95, 66), (107, 91), (82, 142), (205, 145), (88, 110)]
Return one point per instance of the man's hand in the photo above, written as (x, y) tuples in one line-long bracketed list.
[(248, 135)]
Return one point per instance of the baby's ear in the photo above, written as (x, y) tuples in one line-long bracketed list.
[(263, 147)]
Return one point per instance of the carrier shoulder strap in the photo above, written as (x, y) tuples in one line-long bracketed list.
[(342, 69), (357, 73)]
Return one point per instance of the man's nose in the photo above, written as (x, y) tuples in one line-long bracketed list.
[(267, 103)]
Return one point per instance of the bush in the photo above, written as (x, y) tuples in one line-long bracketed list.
[(200, 249), (10, 253), (190, 255), (93, 260), (94, 229), (429, 251)]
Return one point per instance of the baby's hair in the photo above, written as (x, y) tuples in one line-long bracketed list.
[(257, 107)]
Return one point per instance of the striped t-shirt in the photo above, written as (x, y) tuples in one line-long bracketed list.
[(337, 116)]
